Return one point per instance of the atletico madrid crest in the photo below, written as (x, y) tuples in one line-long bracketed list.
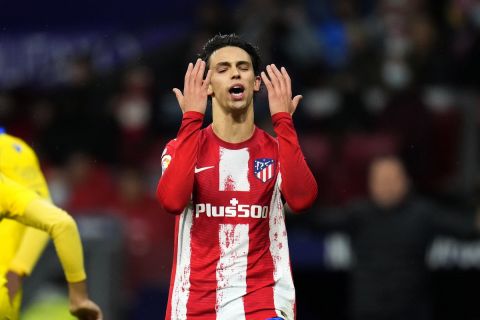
[(264, 168)]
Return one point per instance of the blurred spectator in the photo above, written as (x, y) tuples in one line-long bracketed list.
[(149, 242), (132, 110), (378, 77), (390, 233), (83, 185)]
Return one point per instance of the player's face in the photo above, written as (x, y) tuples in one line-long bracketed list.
[(233, 79)]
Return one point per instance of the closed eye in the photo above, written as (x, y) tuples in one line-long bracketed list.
[(244, 67)]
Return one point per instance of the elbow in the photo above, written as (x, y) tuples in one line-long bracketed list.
[(299, 207), (304, 201), (173, 208), (171, 204), (65, 223)]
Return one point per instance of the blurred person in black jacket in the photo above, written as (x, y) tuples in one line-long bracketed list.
[(390, 233)]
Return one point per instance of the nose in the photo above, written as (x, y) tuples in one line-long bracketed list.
[(235, 73)]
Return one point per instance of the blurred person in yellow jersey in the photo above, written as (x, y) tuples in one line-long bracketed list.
[(21, 246)]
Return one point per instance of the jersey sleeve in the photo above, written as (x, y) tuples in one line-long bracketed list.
[(63, 230), (14, 198), (31, 247), (178, 162), (25, 206), (298, 186)]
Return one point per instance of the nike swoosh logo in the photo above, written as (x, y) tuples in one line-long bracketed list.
[(197, 170)]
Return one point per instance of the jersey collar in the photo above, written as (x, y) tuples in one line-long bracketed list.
[(230, 145)]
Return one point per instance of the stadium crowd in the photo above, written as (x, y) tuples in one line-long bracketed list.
[(390, 77)]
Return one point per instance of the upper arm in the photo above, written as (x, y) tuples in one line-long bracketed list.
[(168, 154), (14, 198), (25, 206), (451, 222), (45, 216)]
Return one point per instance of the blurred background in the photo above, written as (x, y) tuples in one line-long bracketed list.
[(88, 85)]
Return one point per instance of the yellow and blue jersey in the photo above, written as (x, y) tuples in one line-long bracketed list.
[(21, 245), (27, 207), (19, 162)]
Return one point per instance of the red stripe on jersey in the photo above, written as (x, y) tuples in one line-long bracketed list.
[(259, 302), (204, 245)]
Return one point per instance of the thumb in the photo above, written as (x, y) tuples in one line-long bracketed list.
[(295, 102), (179, 96)]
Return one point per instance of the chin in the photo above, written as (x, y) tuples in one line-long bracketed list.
[(238, 106)]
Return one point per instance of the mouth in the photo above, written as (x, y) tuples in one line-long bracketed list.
[(237, 91)]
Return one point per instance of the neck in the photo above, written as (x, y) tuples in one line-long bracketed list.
[(233, 126)]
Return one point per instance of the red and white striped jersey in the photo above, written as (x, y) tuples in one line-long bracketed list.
[(231, 250)]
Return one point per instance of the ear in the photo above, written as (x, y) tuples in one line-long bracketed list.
[(256, 85), (210, 90)]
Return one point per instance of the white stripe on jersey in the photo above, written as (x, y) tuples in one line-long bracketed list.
[(232, 271), (181, 288), (233, 170), (283, 290)]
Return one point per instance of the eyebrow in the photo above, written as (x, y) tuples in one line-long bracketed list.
[(227, 64)]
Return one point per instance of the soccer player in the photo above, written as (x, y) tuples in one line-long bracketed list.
[(227, 183), (25, 206), (21, 245)]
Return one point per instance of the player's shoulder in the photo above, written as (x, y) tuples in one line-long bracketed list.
[(170, 145), (263, 137), (15, 145)]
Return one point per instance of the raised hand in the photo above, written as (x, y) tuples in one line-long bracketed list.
[(279, 87), (195, 88)]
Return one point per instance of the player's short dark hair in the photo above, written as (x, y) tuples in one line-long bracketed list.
[(230, 40)]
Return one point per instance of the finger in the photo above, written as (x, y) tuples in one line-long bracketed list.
[(179, 96), (195, 72), (280, 78), (288, 81), (187, 76), (206, 82), (295, 102), (273, 78), (267, 81), (200, 73)]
